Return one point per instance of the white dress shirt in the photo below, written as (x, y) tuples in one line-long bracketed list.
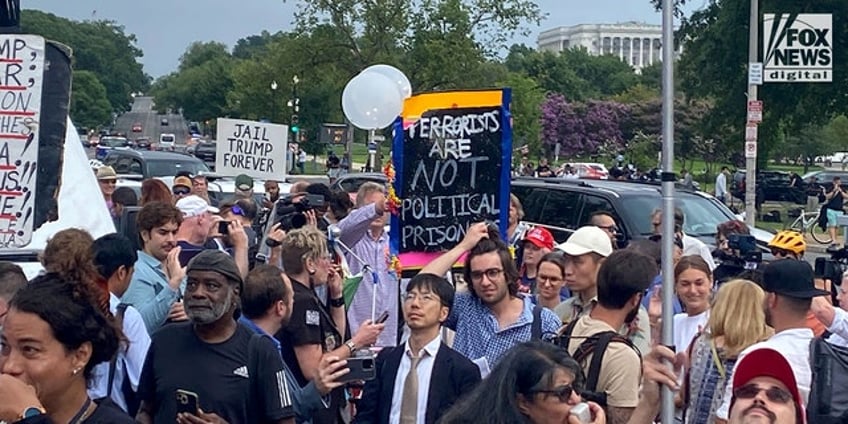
[(794, 345), (839, 328), (130, 358), (721, 185), (425, 370)]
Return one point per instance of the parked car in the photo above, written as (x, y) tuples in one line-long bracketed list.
[(206, 151), (108, 144), (136, 127), (148, 164), (164, 122), (592, 171), (562, 206), (350, 183), (774, 185), (826, 177)]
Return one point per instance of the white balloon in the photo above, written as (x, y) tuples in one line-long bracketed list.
[(394, 74), (371, 101)]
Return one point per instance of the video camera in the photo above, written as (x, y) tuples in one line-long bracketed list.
[(745, 255), (290, 214), (833, 267)]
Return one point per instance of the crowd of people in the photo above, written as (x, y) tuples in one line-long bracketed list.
[(228, 314)]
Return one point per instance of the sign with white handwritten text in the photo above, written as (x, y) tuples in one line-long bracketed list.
[(21, 75), (254, 148)]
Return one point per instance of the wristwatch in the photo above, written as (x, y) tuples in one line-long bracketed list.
[(32, 411), (337, 303), (351, 345)]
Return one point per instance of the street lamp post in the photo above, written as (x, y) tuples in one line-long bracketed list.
[(273, 100)]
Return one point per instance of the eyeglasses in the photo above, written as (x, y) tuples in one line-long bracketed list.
[(779, 252), (611, 228), (774, 394), (490, 273), (563, 393), (181, 191)]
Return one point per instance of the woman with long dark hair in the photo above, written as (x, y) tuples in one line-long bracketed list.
[(53, 337), (534, 383)]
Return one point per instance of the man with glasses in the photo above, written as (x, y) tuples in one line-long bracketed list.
[(764, 390), (691, 245), (491, 317), (108, 180), (605, 221), (789, 288), (421, 379), (181, 188)]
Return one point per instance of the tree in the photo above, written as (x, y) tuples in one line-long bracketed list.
[(90, 107), (527, 98), (101, 47), (582, 128), (198, 53)]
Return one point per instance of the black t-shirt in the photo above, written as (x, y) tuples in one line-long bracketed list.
[(107, 413), (220, 374), (542, 169), (310, 324), (837, 202)]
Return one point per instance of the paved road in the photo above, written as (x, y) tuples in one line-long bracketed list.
[(143, 112)]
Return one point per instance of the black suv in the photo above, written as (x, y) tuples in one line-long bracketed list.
[(773, 184), (562, 206), (150, 164)]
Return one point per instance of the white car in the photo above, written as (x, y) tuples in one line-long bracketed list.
[(167, 141)]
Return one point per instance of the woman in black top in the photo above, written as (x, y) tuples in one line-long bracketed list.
[(53, 336)]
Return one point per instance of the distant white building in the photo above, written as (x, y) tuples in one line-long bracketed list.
[(637, 44)]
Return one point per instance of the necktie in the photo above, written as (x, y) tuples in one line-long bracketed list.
[(409, 401)]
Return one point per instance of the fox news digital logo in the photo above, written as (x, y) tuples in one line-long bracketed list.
[(798, 47)]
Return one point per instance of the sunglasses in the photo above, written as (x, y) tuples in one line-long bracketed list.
[(779, 252), (774, 394), (563, 393), (610, 228), (181, 191)]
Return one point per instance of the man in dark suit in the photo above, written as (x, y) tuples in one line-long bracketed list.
[(439, 374)]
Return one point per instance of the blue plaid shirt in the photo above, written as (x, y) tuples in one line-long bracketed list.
[(478, 334)]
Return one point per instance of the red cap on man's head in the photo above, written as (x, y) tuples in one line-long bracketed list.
[(765, 362), (540, 237)]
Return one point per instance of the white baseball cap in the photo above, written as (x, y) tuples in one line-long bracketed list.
[(194, 206), (585, 240)]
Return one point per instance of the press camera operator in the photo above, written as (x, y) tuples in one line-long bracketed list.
[(737, 252)]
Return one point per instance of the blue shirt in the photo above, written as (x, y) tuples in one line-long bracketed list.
[(149, 292), (478, 334), (657, 285), (306, 400)]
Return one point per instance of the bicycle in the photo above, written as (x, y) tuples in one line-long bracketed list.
[(809, 221)]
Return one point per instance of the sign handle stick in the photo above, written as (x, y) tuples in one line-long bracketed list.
[(376, 279)]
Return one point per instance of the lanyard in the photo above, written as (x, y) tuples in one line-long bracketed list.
[(78, 417)]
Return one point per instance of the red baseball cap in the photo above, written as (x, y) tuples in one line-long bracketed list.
[(765, 362), (540, 237)]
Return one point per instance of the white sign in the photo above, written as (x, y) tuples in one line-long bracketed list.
[(798, 47), (750, 149), (755, 73), (751, 132), (22, 64), (254, 148), (755, 111)]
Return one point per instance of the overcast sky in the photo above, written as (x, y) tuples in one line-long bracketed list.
[(165, 28)]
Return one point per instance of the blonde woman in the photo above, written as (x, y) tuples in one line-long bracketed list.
[(736, 321)]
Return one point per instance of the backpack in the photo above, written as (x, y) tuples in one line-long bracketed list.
[(597, 342), (130, 396), (828, 402)]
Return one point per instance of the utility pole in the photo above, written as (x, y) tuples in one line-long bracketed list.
[(751, 159)]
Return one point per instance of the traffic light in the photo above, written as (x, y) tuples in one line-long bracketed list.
[(295, 120)]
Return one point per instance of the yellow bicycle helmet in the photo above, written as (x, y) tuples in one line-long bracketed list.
[(789, 240)]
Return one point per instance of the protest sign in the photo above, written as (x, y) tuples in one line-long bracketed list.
[(22, 63), (254, 148), (452, 154)]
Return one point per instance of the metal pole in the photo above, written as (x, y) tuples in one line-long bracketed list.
[(751, 162), (668, 180)]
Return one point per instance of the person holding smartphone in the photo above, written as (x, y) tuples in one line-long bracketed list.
[(316, 330), (835, 202)]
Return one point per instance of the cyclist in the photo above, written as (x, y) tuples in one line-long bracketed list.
[(790, 244)]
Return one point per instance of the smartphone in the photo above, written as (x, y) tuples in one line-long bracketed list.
[(582, 412), (382, 318), (187, 402), (223, 227), (361, 369)]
